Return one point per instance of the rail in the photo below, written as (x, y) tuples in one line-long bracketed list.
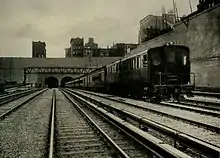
[(152, 143), (52, 125), (190, 141), (19, 105), (122, 153), (8, 98)]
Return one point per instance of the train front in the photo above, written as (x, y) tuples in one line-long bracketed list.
[(170, 75)]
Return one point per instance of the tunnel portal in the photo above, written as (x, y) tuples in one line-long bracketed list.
[(51, 82), (65, 80)]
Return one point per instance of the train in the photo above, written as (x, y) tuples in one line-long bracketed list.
[(156, 74)]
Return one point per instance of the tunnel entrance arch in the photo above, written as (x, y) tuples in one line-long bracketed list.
[(65, 80), (51, 82)]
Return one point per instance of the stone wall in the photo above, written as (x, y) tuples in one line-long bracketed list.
[(12, 68)]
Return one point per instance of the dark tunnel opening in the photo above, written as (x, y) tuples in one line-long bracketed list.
[(51, 82), (65, 80)]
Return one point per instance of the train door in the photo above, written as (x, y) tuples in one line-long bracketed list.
[(155, 65)]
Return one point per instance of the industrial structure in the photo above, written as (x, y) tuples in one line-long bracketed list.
[(152, 26)]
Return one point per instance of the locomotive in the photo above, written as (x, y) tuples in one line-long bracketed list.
[(156, 74)]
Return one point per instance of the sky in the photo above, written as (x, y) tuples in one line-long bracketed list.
[(57, 21)]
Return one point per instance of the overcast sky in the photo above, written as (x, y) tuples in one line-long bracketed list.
[(56, 21)]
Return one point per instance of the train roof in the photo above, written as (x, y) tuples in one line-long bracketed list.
[(145, 51)]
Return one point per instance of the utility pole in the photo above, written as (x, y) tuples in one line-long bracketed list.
[(190, 5), (175, 11), (163, 16)]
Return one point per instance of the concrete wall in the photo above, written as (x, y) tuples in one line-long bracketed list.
[(12, 68), (202, 36)]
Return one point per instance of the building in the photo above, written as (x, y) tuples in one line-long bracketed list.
[(77, 46), (122, 49), (88, 51), (91, 43), (38, 49), (91, 49), (206, 4), (68, 52), (152, 26)]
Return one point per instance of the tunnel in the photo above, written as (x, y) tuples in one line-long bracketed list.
[(65, 80), (51, 82)]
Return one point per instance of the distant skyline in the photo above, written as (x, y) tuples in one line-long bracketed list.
[(57, 21)]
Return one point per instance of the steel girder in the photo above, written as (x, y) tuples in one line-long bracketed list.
[(57, 70)]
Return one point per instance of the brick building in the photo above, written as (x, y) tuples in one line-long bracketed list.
[(38, 49), (91, 43), (77, 46), (122, 49), (152, 26), (67, 52), (91, 49)]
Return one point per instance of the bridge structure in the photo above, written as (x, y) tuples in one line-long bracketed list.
[(52, 72), (57, 71)]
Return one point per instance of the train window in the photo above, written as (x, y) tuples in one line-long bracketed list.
[(145, 60), (145, 57), (131, 64), (138, 62), (156, 59), (184, 59), (170, 56), (117, 67)]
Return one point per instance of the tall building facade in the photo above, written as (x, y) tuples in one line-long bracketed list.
[(38, 49), (67, 52), (77, 46), (90, 49), (91, 43)]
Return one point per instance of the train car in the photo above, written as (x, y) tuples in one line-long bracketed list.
[(93, 81), (159, 73)]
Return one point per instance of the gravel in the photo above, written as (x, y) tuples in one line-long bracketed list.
[(24, 132), (205, 99), (198, 132), (211, 120), (7, 106), (75, 137)]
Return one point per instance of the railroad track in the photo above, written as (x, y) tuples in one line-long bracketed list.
[(205, 103), (75, 128), (8, 98), (80, 133), (135, 141), (177, 127), (210, 94), (175, 111), (24, 132), (192, 107), (12, 106)]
